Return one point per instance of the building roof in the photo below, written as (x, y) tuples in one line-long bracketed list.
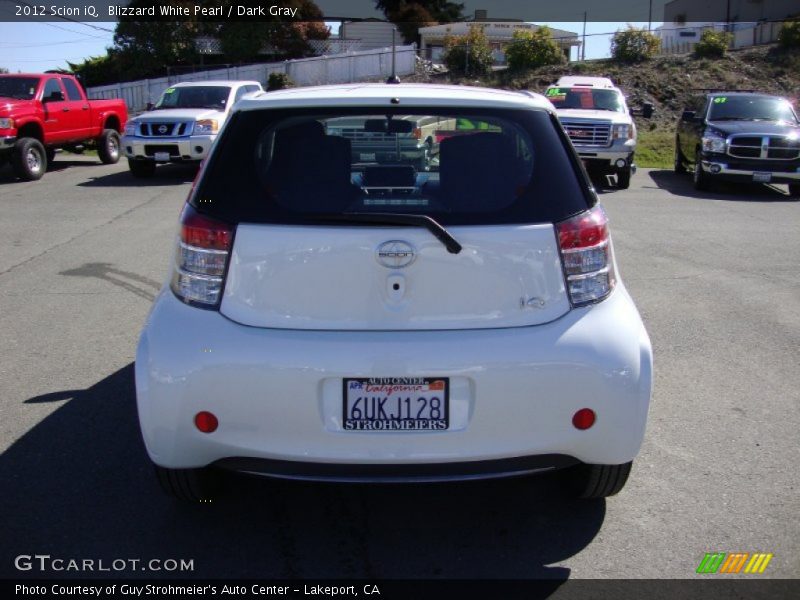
[(495, 30)]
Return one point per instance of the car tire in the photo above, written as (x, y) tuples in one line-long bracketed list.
[(29, 159), (188, 485), (624, 178), (700, 178), (142, 168), (679, 166), (597, 481), (108, 148), (794, 190)]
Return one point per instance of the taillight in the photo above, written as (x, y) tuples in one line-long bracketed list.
[(417, 133), (202, 256), (586, 256)]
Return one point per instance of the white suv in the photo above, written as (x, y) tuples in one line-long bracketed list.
[(182, 125), (326, 319), (599, 124)]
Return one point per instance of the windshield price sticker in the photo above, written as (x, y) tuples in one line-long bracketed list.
[(720, 100), (396, 404)]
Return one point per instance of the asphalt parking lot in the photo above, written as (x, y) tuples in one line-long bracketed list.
[(716, 277)]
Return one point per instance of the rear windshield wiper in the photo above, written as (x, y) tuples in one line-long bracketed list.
[(452, 245)]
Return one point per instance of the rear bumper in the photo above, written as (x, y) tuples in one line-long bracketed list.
[(192, 148), (278, 393)]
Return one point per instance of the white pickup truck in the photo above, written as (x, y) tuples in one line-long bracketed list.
[(599, 124), (182, 125)]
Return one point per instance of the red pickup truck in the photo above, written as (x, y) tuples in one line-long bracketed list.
[(42, 112)]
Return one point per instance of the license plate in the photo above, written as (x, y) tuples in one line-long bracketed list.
[(762, 177), (161, 156), (396, 403), (367, 156)]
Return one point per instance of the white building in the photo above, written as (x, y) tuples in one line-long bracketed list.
[(499, 34)]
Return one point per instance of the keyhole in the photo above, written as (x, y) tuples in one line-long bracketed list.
[(396, 287)]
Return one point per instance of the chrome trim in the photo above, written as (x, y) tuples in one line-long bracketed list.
[(706, 164), (764, 146)]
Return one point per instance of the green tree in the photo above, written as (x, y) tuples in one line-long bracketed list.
[(469, 54), (789, 36), (410, 16), (3, 70), (634, 45), (532, 49), (713, 44)]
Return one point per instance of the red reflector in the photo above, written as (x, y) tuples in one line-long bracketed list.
[(584, 418), (203, 232), (206, 422), (586, 229)]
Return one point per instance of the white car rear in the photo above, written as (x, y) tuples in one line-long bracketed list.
[(329, 321)]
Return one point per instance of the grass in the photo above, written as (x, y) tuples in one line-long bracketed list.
[(655, 149)]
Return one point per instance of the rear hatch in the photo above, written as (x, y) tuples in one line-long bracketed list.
[(322, 243)]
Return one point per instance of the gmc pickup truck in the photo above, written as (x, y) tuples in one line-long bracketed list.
[(42, 112), (739, 137)]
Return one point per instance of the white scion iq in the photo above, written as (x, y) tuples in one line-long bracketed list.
[(341, 320)]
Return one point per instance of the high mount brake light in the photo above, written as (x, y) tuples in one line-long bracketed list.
[(201, 258), (586, 256)]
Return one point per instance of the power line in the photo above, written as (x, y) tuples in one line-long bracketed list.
[(88, 35)]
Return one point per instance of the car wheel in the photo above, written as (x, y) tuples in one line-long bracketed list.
[(597, 481), (624, 178), (29, 159), (142, 168), (701, 181), (188, 485), (679, 166), (794, 190), (108, 147)]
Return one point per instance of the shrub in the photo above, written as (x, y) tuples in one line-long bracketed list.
[(469, 54), (532, 49), (634, 45), (713, 44), (789, 36), (278, 81)]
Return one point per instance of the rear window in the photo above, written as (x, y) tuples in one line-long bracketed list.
[(460, 167)]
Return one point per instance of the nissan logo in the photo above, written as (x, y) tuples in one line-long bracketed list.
[(396, 254), (162, 129)]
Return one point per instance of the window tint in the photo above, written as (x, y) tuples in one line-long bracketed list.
[(73, 93), (585, 98), (195, 97), (750, 108), (19, 88), (50, 87), (458, 166)]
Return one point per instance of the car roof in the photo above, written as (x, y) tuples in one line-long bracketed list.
[(601, 83), (404, 94), (749, 94), (218, 82)]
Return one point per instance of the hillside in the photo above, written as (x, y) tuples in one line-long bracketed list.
[(667, 82)]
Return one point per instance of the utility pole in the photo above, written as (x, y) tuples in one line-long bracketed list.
[(650, 16), (583, 46)]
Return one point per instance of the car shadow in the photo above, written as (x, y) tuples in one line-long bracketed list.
[(79, 485), (171, 174), (681, 184)]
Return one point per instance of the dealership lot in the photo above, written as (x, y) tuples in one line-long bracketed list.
[(715, 275)]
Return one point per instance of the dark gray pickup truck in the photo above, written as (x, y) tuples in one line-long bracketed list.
[(739, 136)]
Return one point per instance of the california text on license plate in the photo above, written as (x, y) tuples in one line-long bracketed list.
[(396, 403), (762, 177)]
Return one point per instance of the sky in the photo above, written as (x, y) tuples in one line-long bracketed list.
[(37, 47)]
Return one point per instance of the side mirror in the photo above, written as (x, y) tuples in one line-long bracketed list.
[(54, 97), (688, 115), (150, 106), (647, 110)]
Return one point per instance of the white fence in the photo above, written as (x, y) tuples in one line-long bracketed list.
[(754, 35), (319, 70)]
